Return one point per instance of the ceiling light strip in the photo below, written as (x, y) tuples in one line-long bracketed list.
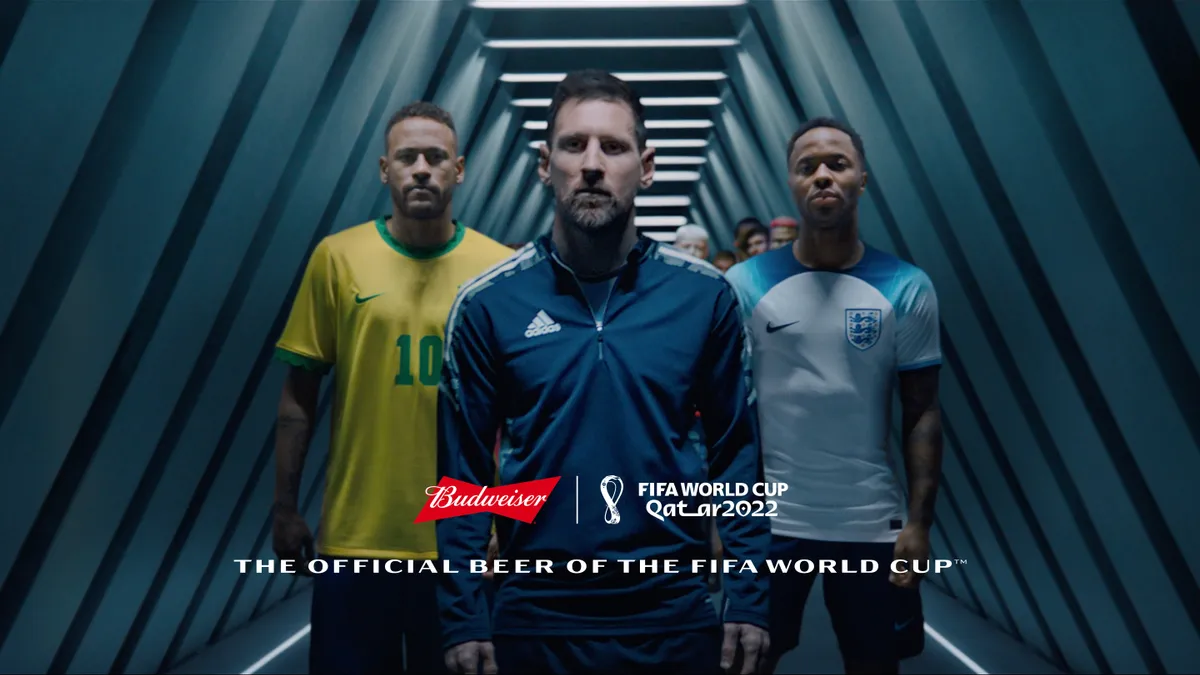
[(612, 43), (680, 100), (677, 143), (678, 160), (662, 201), (676, 176), (659, 221), (679, 124), (657, 143), (682, 76), (649, 101), (542, 125), (603, 4)]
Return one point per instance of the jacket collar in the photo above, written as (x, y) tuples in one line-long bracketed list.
[(641, 251)]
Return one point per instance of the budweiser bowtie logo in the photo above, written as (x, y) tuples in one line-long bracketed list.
[(519, 501)]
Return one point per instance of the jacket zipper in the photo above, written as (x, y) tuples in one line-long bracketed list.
[(603, 310), (598, 319)]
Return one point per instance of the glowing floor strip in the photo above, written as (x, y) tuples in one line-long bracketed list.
[(954, 651), (283, 647), (287, 644)]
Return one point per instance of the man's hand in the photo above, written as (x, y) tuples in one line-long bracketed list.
[(912, 545), (293, 540), (493, 552), (465, 658), (754, 644)]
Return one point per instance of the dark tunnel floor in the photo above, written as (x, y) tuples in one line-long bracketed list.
[(956, 642)]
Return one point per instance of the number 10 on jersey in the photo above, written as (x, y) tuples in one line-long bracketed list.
[(429, 359)]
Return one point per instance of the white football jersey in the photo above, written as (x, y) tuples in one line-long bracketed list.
[(827, 347)]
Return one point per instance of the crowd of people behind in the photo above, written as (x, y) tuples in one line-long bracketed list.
[(750, 238)]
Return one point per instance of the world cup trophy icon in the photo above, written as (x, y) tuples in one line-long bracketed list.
[(611, 488)]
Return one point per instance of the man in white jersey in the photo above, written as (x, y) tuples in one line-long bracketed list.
[(834, 324)]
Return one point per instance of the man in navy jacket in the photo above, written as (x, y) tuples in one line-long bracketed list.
[(595, 347)]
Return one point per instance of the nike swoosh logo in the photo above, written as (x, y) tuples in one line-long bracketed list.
[(902, 626), (361, 300), (772, 329)]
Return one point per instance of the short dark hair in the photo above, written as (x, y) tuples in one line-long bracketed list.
[(592, 85), (741, 241), (425, 109), (828, 123), (724, 254), (747, 221)]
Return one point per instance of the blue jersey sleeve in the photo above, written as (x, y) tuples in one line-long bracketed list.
[(468, 418), (740, 279), (730, 417), (918, 331)]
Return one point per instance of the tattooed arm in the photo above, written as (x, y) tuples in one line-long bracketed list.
[(922, 428), (919, 360), (293, 430), (308, 346)]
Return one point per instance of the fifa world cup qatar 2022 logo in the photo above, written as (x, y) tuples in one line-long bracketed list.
[(611, 488)]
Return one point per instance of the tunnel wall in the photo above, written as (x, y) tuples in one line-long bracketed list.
[(1012, 149)]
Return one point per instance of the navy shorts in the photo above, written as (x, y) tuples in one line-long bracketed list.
[(359, 620), (874, 620), (696, 652)]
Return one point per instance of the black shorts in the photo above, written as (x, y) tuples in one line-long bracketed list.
[(372, 623), (874, 619)]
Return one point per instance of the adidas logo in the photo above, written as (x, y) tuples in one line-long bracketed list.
[(542, 324)]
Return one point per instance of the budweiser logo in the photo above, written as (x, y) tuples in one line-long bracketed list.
[(519, 501)]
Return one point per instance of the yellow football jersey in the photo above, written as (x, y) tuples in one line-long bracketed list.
[(375, 312)]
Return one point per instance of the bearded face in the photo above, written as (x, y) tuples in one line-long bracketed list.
[(594, 165)]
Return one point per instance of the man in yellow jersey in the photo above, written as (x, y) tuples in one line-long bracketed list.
[(372, 307)]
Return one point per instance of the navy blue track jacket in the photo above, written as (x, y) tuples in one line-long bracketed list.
[(599, 395)]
